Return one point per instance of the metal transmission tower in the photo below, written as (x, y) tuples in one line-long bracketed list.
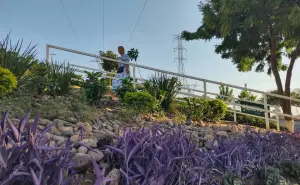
[(180, 59)]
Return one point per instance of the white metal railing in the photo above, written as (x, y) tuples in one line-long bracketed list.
[(204, 81)]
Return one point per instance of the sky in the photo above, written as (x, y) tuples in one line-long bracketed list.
[(44, 22)]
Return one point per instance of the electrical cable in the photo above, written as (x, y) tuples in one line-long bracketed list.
[(135, 26), (70, 23)]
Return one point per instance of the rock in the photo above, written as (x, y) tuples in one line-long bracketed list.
[(170, 123), (222, 134), (208, 137), (82, 150), (104, 141), (116, 129), (226, 129), (95, 127), (138, 119), (90, 142), (215, 143), (62, 129), (195, 137), (74, 138), (89, 135), (74, 151), (41, 127), (115, 142), (53, 130), (68, 133), (105, 165), (87, 127), (82, 162), (202, 124), (109, 133), (61, 123), (110, 128), (45, 122), (72, 120), (115, 175), (207, 130), (59, 139), (98, 155)]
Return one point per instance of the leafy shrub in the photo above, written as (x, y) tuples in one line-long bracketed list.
[(203, 109), (216, 109), (133, 54), (140, 101), (8, 81), (95, 87), (163, 88), (127, 86), (159, 156), (108, 65), (29, 158)]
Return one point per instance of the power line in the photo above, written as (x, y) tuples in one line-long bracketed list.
[(70, 23), (131, 35), (103, 25), (138, 20)]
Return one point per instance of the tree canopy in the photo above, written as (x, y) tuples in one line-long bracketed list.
[(254, 35)]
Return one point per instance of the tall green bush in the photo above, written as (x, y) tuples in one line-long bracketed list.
[(202, 109), (127, 86), (164, 88), (108, 65), (8, 81), (95, 87), (140, 101)]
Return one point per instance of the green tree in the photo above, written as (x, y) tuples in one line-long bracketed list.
[(226, 94), (254, 33), (276, 101)]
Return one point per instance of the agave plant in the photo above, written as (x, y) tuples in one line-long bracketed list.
[(161, 85), (16, 58)]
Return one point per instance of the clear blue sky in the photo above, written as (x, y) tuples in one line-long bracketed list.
[(44, 22)]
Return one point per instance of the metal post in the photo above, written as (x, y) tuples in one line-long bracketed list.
[(266, 111), (234, 111), (47, 53), (204, 89), (134, 78), (277, 119)]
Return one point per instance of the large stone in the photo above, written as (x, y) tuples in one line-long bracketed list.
[(82, 150), (222, 134), (61, 123), (59, 139), (208, 137), (68, 133), (90, 142), (87, 127), (115, 175), (97, 155), (170, 123), (82, 162), (62, 129), (72, 120), (109, 133), (138, 119), (74, 138), (44, 122)]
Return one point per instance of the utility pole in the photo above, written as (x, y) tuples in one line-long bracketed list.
[(180, 59)]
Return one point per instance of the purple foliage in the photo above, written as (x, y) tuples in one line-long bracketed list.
[(159, 156), (28, 158)]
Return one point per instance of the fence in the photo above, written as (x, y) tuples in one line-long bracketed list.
[(264, 106)]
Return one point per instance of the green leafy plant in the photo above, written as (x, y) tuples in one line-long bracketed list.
[(133, 54), (95, 87), (127, 86), (59, 82), (194, 108), (163, 87), (140, 101), (8, 81), (108, 65), (270, 176), (216, 109), (231, 179)]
